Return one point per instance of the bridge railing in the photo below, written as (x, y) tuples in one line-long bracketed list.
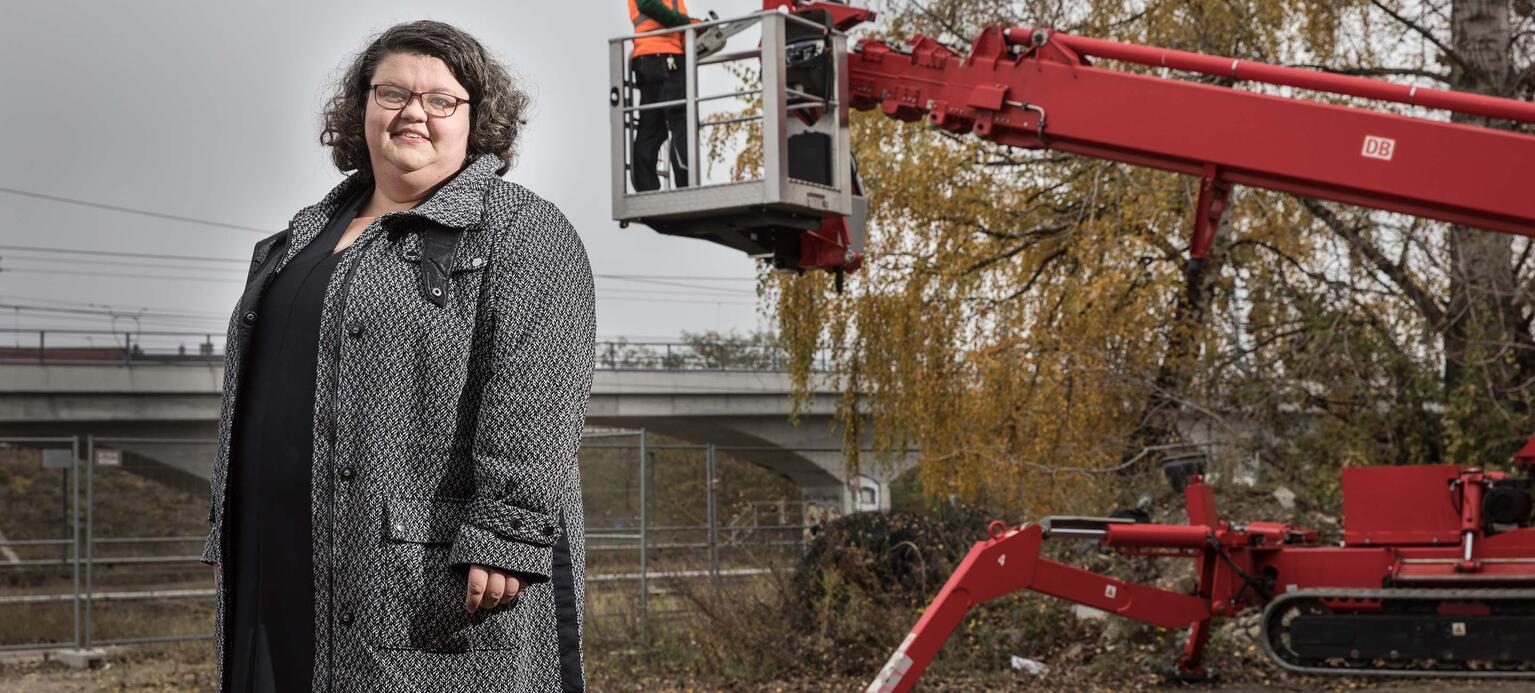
[(724, 355), (153, 347), (101, 347)]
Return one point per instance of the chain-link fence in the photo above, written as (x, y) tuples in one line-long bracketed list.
[(100, 538)]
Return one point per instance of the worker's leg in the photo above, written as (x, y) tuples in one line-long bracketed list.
[(676, 87), (649, 74)]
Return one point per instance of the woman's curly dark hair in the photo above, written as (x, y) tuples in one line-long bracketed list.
[(497, 106)]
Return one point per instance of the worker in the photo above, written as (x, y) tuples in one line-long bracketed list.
[(656, 64)]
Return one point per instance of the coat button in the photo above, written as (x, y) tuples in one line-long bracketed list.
[(548, 530), (346, 617), (477, 262), (250, 317), (346, 472), (436, 291), (354, 329)]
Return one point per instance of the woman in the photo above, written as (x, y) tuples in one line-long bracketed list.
[(395, 497)]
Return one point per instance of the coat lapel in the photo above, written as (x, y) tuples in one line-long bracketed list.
[(458, 203)]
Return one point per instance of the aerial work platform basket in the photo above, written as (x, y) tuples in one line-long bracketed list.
[(798, 204)]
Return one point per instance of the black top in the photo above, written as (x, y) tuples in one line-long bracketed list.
[(271, 629)]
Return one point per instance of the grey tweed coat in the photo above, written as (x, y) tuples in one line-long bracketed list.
[(456, 350)]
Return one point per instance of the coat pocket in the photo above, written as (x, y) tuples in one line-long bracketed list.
[(423, 604)]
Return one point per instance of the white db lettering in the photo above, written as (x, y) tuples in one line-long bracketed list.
[(1379, 147)]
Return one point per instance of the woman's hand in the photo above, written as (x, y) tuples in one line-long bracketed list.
[(489, 588)]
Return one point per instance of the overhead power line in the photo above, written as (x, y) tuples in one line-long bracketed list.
[(684, 285), (120, 275), (114, 253), (142, 212), (113, 307), (680, 300), (109, 314), (604, 293), (143, 315), (688, 277), (226, 271), (645, 278)]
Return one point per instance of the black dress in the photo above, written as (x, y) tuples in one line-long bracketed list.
[(271, 624)]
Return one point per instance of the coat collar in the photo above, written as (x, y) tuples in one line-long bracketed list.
[(458, 203)]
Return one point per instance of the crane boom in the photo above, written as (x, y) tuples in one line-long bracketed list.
[(1036, 89)]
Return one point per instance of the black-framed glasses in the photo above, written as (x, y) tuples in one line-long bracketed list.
[(435, 103)]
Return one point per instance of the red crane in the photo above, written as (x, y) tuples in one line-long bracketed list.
[(1436, 571), (1436, 574)]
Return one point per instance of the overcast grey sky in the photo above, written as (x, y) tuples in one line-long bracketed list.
[(209, 110)]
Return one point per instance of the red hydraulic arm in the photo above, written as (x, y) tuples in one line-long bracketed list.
[(1010, 562), (1035, 88)]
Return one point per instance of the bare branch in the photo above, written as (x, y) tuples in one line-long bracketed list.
[(1030, 238), (1170, 252), (1378, 71), (1449, 52), (1419, 297), (1038, 272)]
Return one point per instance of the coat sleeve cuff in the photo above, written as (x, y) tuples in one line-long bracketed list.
[(476, 545)]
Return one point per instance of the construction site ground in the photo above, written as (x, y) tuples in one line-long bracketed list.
[(188, 667)]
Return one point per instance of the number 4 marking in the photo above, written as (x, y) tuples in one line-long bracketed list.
[(1002, 560)]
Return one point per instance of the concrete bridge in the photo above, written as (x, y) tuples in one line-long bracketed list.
[(734, 397)]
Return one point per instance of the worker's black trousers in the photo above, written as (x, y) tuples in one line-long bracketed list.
[(658, 81)]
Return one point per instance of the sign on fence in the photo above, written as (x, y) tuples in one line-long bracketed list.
[(58, 458)]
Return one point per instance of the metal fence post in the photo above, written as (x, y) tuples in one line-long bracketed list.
[(713, 502), (690, 67), (90, 481), (644, 540), (74, 523)]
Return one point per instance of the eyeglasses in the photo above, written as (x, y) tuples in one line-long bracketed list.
[(435, 103)]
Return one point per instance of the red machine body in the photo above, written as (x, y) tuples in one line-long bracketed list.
[(1436, 571), (1404, 527)]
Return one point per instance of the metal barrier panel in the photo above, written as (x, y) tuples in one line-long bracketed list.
[(657, 514), (612, 495), (101, 541), (39, 529), (146, 506)]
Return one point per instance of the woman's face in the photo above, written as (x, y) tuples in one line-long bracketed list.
[(444, 142)]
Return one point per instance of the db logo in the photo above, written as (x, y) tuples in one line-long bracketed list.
[(1378, 148)]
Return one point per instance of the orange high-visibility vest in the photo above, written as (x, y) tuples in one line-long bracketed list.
[(650, 45)]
